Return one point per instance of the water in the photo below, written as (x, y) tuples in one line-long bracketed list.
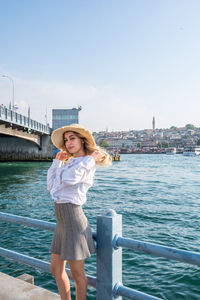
[(158, 197)]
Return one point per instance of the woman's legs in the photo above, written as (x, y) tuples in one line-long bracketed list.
[(62, 280), (78, 274)]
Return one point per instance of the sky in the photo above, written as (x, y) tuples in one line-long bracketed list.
[(123, 61)]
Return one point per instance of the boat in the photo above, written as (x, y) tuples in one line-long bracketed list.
[(115, 157), (170, 150), (191, 150)]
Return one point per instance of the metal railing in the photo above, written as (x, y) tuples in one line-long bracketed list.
[(13, 117), (109, 255)]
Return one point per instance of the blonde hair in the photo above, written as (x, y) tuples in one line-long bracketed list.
[(89, 149)]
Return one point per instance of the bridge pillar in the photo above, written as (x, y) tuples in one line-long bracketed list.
[(46, 147), (18, 149)]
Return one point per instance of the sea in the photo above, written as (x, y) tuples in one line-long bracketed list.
[(158, 197)]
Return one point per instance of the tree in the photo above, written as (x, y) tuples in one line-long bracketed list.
[(198, 142), (123, 146), (166, 145), (190, 126), (104, 144), (159, 145), (173, 127), (139, 145)]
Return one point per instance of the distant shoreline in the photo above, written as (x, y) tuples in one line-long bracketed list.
[(148, 153)]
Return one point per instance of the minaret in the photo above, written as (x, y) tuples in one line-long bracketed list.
[(153, 123)]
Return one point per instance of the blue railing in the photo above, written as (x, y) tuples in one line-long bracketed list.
[(108, 282), (13, 117)]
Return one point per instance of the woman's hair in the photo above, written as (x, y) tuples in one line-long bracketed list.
[(89, 149)]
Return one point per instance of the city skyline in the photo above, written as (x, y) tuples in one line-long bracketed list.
[(123, 62)]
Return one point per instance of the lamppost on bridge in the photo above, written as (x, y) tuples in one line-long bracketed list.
[(13, 90)]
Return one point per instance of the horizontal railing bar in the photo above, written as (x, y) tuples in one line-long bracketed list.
[(133, 294), (37, 263), (27, 221), (27, 260), (150, 248), (31, 222), (163, 251)]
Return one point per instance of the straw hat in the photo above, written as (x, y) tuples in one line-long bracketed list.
[(57, 135)]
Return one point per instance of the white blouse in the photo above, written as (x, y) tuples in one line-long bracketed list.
[(69, 182)]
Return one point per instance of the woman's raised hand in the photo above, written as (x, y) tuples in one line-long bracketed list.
[(98, 156), (62, 155)]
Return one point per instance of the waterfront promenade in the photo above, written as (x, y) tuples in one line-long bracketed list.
[(16, 289)]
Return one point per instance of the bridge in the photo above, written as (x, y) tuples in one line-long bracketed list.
[(22, 138)]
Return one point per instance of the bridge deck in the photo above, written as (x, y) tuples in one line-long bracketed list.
[(20, 122)]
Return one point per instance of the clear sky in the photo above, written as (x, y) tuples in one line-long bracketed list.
[(123, 61)]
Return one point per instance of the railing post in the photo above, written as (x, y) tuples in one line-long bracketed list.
[(109, 260)]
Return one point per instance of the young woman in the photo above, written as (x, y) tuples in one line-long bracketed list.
[(68, 180)]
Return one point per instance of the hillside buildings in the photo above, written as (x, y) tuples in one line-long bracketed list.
[(149, 140)]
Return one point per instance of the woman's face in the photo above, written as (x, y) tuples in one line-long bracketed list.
[(74, 144)]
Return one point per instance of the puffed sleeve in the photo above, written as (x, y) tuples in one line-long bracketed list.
[(51, 174), (78, 173)]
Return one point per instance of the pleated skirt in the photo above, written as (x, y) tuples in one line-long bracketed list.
[(72, 238)]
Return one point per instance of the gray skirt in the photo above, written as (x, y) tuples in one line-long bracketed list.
[(72, 238)]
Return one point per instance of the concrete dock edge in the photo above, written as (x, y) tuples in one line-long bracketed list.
[(12, 288)]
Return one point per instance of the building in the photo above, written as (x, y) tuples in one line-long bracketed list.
[(119, 143), (64, 117)]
